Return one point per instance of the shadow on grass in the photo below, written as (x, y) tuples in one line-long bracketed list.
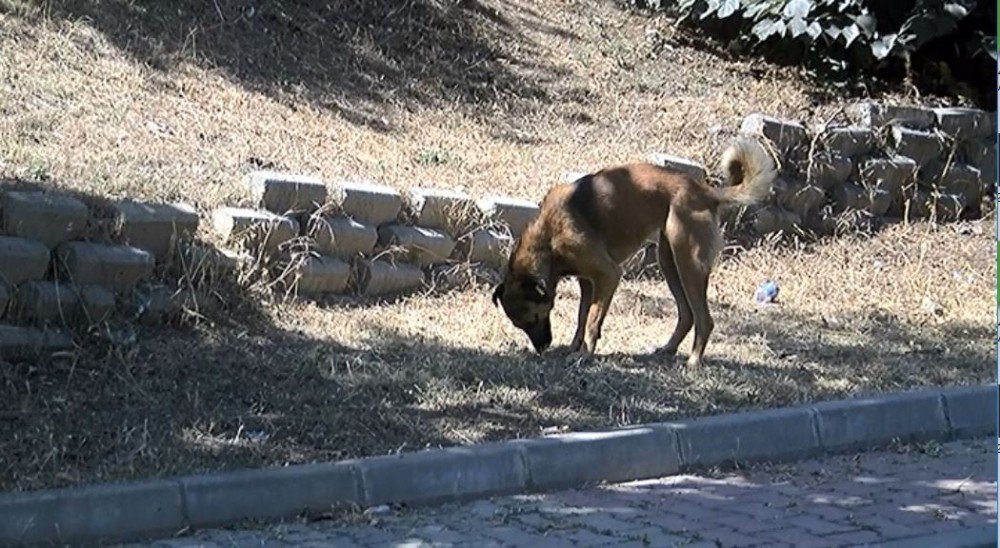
[(350, 56)]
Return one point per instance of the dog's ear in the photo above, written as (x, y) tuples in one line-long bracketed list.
[(497, 293)]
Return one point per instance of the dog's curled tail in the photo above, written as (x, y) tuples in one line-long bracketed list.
[(750, 171)]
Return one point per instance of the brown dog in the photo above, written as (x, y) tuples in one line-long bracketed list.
[(589, 227)]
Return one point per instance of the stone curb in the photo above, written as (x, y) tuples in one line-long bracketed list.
[(130, 511), (968, 538)]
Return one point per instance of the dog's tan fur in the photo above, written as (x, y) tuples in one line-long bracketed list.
[(589, 227)]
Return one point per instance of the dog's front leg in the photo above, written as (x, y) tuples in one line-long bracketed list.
[(605, 286), (586, 299)]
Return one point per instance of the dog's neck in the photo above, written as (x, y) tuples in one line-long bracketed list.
[(534, 256)]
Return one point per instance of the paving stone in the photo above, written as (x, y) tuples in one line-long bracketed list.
[(876, 115), (728, 538), (48, 218), (319, 275), (116, 267), (156, 228), (22, 260), (514, 213), (253, 228), (785, 134), (684, 165), (369, 203), (423, 246), (286, 193), (854, 538), (342, 237)]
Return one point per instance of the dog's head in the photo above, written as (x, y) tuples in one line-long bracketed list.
[(528, 301)]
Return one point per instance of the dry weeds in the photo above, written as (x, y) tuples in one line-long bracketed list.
[(163, 103)]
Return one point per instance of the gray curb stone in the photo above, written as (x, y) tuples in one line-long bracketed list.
[(968, 538), (102, 512), (121, 512), (582, 458), (778, 434), (221, 498)]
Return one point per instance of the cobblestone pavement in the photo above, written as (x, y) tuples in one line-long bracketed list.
[(838, 501)]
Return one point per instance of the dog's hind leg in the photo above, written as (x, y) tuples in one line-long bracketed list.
[(586, 299), (685, 319), (695, 241)]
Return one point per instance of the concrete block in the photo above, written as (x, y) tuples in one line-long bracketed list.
[(774, 219), (156, 228), (947, 207), (584, 458), (385, 278), (879, 201), (828, 170), (154, 304), (801, 198), (850, 196), (889, 174), (920, 204), (197, 261), (867, 423), (849, 141), (453, 474), (486, 246), (47, 218), (921, 146), (369, 203), (5, 296), (45, 302), (254, 228), (876, 115), (677, 163), (514, 213), (91, 515), (785, 134), (269, 493), (959, 179), (342, 237), (318, 275), (96, 303), (982, 155), (964, 123), (116, 267), (772, 435), (971, 410), (424, 246), (21, 342), (440, 208), (22, 260), (286, 193)]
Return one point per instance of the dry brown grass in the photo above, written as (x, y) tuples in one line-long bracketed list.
[(134, 99)]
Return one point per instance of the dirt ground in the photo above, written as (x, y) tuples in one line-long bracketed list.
[(167, 101)]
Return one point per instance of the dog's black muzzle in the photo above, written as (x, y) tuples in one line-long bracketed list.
[(540, 335)]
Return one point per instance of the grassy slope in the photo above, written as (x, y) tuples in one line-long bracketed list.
[(161, 100)]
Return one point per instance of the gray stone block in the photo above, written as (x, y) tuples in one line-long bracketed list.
[(889, 174), (48, 218), (424, 246), (947, 207), (286, 193), (441, 208), (879, 201), (197, 261), (254, 228), (964, 123), (91, 515), (453, 474), (269, 493), (850, 196), (849, 141), (876, 115), (386, 278), (828, 170), (872, 422), (801, 199), (982, 155), (676, 163), (21, 342), (96, 303), (154, 304), (369, 203), (584, 458), (318, 275), (770, 219), (921, 146), (22, 260), (5, 296), (342, 237), (514, 213), (46, 302), (116, 267), (972, 410), (486, 246), (772, 435), (958, 179), (156, 228), (785, 134)]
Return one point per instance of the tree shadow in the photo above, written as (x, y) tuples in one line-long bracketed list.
[(349, 56)]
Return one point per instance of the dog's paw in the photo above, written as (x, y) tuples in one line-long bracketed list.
[(664, 351), (578, 358)]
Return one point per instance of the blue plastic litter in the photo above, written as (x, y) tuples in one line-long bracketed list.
[(767, 292)]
